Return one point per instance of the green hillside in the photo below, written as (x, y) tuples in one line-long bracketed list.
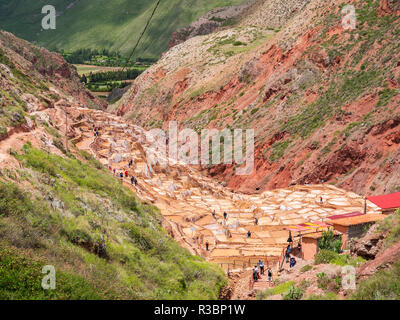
[(103, 242), (114, 25)]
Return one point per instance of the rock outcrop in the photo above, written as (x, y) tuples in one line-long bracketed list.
[(209, 22), (370, 245)]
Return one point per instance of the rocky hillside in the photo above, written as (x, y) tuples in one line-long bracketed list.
[(59, 206), (33, 79), (323, 100), (211, 21)]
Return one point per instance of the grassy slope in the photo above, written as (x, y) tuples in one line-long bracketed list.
[(13, 109), (104, 242), (385, 284), (114, 25)]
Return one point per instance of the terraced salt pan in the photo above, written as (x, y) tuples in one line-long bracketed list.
[(186, 198)]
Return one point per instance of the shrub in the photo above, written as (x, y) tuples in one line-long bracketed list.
[(282, 289), (345, 259), (383, 285), (329, 241), (304, 284), (306, 268), (327, 296), (325, 256), (322, 280), (20, 279), (391, 225), (293, 294), (279, 149), (13, 201)]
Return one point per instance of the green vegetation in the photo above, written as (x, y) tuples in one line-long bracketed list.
[(288, 290), (345, 88), (20, 280), (229, 46), (383, 285), (325, 256), (102, 58), (365, 71), (346, 260), (106, 81), (278, 150), (332, 257), (95, 232), (112, 25), (293, 294), (306, 268), (350, 128), (327, 296), (282, 289), (329, 241), (391, 225), (13, 108), (385, 96), (322, 280)]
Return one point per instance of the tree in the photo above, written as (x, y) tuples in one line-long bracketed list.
[(329, 241), (84, 79)]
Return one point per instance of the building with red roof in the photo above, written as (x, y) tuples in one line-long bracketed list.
[(389, 203)]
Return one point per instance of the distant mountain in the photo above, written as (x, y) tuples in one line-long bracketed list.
[(113, 25)]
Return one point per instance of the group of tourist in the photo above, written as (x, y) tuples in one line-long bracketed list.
[(259, 270), (125, 173), (291, 260)]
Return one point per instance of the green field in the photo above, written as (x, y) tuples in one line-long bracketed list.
[(86, 69), (114, 25)]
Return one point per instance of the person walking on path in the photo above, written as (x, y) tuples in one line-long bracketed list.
[(126, 174), (133, 181), (251, 283), (248, 234), (287, 256), (269, 275), (213, 214), (256, 221), (261, 265), (225, 215), (207, 244), (255, 274), (288, 249), (299, 247), (290, 240)]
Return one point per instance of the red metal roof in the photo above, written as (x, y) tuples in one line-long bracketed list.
[(387, 201), (346, 215)]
